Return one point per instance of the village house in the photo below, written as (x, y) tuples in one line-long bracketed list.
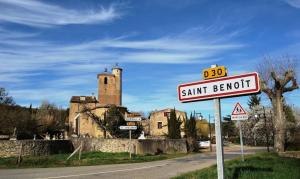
[(159, 122)]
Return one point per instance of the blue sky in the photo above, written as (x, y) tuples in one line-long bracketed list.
[(52, 50)]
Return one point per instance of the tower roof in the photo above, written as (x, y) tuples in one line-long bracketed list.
[(117, 67), (83, 99)]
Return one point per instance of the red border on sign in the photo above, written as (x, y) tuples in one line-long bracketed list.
[(238, 104), (226, 94)]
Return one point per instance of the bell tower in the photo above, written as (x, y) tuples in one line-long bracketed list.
[(117, 72), (110, 87)]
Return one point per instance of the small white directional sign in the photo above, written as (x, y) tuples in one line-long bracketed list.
[(219, 87), (239, 113), (128, 127), (133, 117)]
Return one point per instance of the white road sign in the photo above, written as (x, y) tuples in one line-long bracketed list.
[(133, 119), (128, 127), (220, 87), (239, 113)]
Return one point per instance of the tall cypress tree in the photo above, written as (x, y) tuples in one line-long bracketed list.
[(191, 134), (192, 127), (254, 100), (174, 125)]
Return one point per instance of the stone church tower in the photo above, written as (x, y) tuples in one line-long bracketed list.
[(110, 87)]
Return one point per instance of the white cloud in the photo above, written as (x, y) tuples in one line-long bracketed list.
[(293, 3), (75, 64), (40, 14), (28, 54), (60, 97)]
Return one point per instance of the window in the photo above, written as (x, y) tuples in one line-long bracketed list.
[(105, 80), (159, 125), (167, 114)]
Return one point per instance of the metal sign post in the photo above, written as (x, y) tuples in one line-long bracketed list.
[(130, 144), (219, 140), (241, 140), (129, 128), (239, 114)]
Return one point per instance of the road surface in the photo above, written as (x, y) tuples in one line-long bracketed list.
[(154, 170)]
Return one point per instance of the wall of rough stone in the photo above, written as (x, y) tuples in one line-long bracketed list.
[(147, 146), (11, 148)]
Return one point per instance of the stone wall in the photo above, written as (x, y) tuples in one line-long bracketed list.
[(10, 148), (148, 146)]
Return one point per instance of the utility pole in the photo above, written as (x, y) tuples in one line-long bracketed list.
[(130, 145), (266, 129), (210, 146), (241, 140)]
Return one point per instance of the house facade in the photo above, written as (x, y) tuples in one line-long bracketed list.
[(159, 122)]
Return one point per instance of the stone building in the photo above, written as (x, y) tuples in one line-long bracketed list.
[(159, 122), (109, 93)]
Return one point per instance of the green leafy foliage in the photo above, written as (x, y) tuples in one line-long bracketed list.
[(254, 100), (191, 134), (289, 114), (174, 124), (114, 119), (229, 129)]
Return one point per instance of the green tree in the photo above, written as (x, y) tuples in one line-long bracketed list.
[(289, 114), (229, 129), (5, 98), (254, 100), (114, 119), (291, 125), (191, 134), (174, 124), (191, 127)]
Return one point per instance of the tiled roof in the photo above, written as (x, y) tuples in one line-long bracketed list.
[(83, 99)]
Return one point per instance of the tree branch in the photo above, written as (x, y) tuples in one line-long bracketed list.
[(275, 76), (293, 87), (266, 89)]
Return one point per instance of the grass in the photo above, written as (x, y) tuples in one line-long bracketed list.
[(88, 158), (262, 166)]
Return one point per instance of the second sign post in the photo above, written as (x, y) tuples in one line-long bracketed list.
[(131, 119)]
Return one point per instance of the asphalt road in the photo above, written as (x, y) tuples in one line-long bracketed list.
[(153, 170)]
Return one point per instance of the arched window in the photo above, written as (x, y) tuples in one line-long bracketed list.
[(105, 80)]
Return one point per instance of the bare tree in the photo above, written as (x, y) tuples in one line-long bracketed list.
[(5, 98), (278, 76)]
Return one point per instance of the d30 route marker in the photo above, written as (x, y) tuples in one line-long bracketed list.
[(215, 72)]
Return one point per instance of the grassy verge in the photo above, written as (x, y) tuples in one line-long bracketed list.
[(263, 166), (89, 158)]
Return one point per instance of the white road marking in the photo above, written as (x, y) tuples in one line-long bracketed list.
[(111, 171)]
